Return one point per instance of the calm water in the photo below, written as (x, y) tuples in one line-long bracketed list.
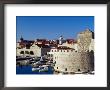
[(28, 70)]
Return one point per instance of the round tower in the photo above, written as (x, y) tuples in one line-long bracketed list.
[(73, 62)]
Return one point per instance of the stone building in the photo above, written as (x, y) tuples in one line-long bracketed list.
[(36, 50), (69, 60), (84, 40), (77, 57), (68, 42), (32, 48)]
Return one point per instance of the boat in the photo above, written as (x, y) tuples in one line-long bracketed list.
[(34, 64), (43, 69), (36, 69), (45, 65)]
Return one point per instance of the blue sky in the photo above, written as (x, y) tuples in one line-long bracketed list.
[(51, 27)]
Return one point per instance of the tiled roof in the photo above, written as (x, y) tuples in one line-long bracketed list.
[(43, 46)]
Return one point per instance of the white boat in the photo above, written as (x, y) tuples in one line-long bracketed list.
[(43, 69), (45, 65), (35, 69)]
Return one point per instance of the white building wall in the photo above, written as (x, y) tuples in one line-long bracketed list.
[(74, 46), (37, 51), (34, 48)]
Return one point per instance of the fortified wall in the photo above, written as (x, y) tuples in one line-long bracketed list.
[(73, 62), (81, 59)]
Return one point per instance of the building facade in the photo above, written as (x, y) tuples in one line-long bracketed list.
[(34, 50), (75, 57)]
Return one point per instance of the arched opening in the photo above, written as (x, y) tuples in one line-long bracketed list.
[(26, 52), (65, 69), (31, 53), (57, 67), (22, 52), (79, 70), (51, 55)]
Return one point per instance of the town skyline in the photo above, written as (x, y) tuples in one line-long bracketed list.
[(51, 27)]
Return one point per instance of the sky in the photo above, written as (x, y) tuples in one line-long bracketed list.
[(52, 27)]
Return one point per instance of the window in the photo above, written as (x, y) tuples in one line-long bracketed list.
[(79, 70), (26, 52), (67, 50), (51, 55), (31, 53), (52, 50), (57, 67), (22, 52), (55, 62), (65, 69)]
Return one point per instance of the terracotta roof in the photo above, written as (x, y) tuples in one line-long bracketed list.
[(43, 46)]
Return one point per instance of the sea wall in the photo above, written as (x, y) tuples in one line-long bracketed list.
[(73, 62)]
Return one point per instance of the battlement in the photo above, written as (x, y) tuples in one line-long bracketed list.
[(73, 62)]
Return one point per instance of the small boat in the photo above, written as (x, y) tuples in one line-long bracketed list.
[(35, 69), (45, 65), (34, 65), (43, 69)]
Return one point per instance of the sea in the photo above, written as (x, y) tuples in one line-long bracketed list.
[(28, 70)]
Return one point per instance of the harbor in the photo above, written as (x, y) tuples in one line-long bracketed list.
[(30, 65), (61, 56)]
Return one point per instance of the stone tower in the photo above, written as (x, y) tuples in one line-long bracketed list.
[(84, 40)]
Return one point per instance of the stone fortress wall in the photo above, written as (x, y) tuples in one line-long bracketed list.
[(79, 60), (73, 61)]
